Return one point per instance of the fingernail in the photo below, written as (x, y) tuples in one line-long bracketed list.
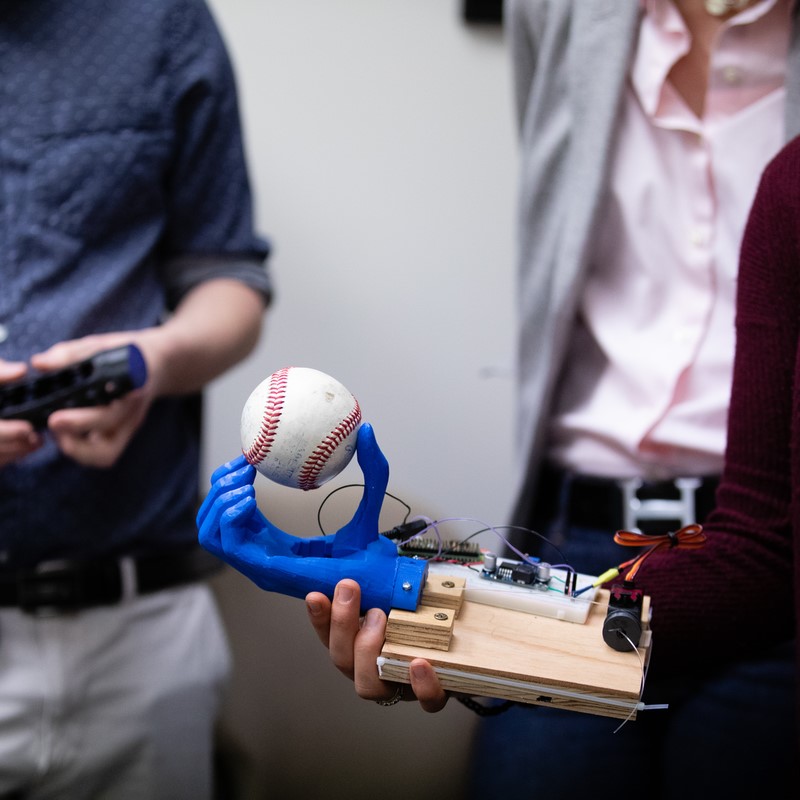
[(418, 671), (373, 619), (344, 594), (313, 608)]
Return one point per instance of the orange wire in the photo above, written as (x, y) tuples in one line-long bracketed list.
[(690, 537)]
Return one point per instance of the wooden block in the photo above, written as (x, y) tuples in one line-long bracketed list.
[(512, 655), (645, 613), (428, 627), (443, 591)]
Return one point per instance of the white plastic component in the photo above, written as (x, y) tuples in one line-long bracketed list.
[(544, 602)]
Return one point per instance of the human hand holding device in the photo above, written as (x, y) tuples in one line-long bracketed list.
[(92, 381), (355, 644), (76, 381)]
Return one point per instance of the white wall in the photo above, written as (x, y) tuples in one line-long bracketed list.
[(381, 144), (382, 150)]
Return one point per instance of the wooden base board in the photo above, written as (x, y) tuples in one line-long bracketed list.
[(512, 655)]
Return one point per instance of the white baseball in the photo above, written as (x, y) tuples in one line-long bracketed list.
[(299, 427)]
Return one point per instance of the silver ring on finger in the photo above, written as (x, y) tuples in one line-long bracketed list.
[(395, 698)]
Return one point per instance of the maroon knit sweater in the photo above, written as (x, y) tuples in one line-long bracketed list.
[(741, 591)]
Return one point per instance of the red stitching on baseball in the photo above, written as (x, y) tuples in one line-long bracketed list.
[(315, 463), (265, 437)]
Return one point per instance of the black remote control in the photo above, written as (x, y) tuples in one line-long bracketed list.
[(95, 381)]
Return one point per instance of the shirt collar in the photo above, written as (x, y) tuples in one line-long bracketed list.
[(664, 39), (746, 15)]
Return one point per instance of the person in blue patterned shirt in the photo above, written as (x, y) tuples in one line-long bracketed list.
[(125, 218)]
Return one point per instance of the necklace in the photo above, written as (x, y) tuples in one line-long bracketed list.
[(720, 7)]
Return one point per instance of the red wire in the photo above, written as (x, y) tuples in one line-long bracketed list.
[(690, 537)]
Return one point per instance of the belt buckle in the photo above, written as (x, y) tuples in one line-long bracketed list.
[(51, 587), (635, 509)]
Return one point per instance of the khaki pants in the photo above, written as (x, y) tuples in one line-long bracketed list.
[(114, 702)]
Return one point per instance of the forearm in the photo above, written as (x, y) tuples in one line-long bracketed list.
[(215, 326)]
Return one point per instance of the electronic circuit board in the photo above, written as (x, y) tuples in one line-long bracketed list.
[(546, 599)]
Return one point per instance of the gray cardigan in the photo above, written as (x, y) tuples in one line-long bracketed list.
[(570, 60)]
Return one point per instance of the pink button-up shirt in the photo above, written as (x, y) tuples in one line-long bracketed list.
[(647, 383)]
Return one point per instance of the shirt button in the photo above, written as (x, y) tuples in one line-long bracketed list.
[(731, 75), (697, 237), (3, 333)]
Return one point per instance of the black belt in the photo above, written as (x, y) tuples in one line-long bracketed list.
[(624, 503), (74, 585)]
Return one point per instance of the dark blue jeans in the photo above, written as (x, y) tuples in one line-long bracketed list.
[(728, 733)]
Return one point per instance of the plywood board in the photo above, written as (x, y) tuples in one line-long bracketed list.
[(513, 655)]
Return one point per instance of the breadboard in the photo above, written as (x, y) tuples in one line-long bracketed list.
[(545, 603), (513, 655)]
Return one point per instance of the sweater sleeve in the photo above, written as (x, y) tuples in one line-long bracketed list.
[(735, 594)]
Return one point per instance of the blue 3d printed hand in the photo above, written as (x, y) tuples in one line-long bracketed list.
[(232, 527)]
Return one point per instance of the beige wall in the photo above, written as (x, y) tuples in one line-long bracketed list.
[(380, 138)]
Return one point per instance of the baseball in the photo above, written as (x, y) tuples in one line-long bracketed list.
[(299, 427)]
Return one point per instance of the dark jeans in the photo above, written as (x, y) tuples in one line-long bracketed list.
[(727, 733)]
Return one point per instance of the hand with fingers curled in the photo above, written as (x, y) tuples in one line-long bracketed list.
[(94, 433), (232, 527), (355, 642), (97, 435)]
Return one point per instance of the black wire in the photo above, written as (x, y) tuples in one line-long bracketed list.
[(407, 507), (518, 528), (482, 710), (357, 486)]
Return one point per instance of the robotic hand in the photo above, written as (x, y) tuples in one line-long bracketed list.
[(232, 528)]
